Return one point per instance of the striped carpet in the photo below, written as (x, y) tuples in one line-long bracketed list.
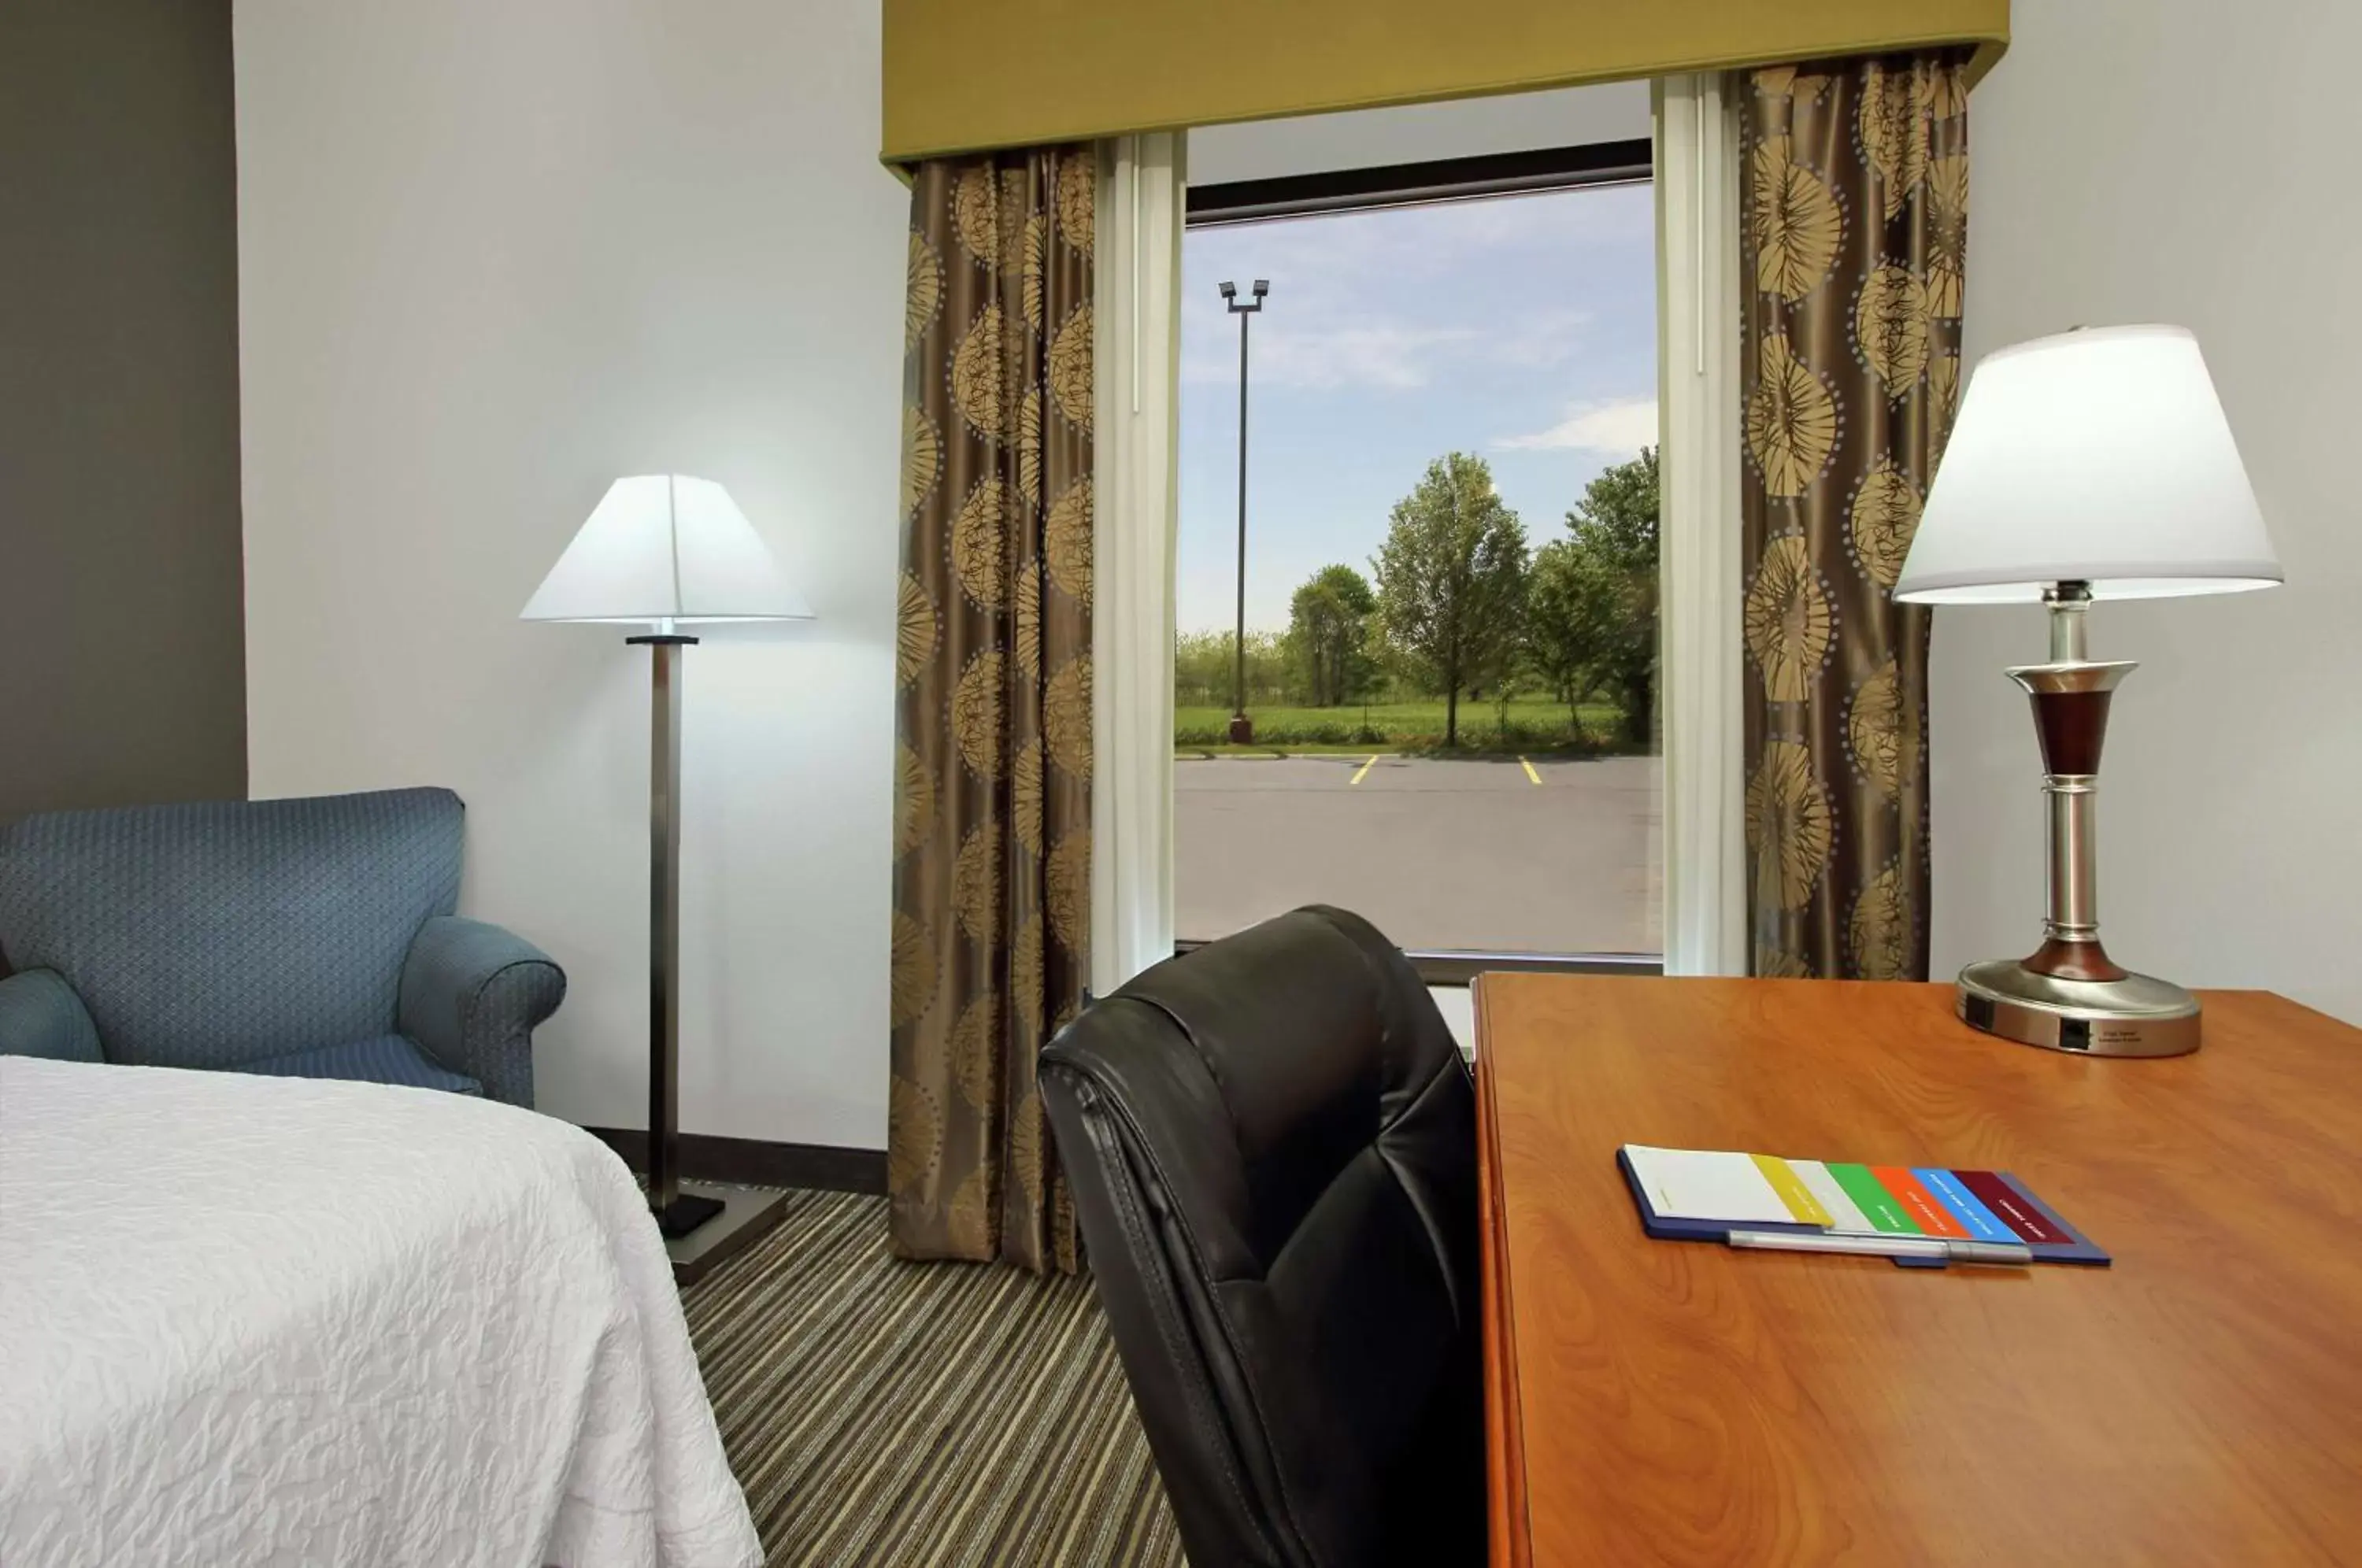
[(879, 1411)]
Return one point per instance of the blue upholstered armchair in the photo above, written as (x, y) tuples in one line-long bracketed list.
[(307, 938)]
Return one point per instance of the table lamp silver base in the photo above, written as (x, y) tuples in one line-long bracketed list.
[(2137, 1015)]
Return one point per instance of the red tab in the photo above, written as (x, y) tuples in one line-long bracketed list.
[(2012, 1210), (1919, 1203)]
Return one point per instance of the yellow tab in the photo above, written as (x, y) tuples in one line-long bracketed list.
[(1793, 1190)]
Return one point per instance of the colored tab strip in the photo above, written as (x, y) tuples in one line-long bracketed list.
[(1791, 1190), (1845, 1214), (1874, 1200), (2011, 1208), (1932, 1216), (1982, 1222)]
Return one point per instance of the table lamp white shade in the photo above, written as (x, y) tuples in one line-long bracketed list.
[(2100, 456), (665, 548)]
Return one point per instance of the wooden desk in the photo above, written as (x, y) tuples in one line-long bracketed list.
[(1665, 1402)]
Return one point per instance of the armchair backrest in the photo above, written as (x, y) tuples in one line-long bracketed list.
[(211, 934)]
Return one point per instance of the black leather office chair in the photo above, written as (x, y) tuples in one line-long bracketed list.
[(1272, 1144)]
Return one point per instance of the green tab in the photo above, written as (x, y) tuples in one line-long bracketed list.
[(1874, 1200)]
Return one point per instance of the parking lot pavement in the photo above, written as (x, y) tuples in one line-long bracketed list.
[(1497, 854)]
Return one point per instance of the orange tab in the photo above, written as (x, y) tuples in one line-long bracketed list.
[(1918, 1202)]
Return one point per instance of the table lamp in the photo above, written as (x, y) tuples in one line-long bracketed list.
[(2092, 465), (665, 551)]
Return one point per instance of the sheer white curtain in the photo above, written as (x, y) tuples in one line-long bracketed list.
[(1697, 372), (1136, 339)]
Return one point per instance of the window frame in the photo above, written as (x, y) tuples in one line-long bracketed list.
[(1453, 968), (1435, 182)]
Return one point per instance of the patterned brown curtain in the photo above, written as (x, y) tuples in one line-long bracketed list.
[(992, 797), (1854, 233)]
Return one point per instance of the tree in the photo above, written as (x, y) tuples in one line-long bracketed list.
[(1560, 638), (1452, 582), (1592, 609), (1327, 624), (1202, 668)]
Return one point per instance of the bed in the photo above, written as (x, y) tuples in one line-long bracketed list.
[(285, 1320)]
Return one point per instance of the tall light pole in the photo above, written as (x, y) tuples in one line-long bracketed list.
[(1242, 727)]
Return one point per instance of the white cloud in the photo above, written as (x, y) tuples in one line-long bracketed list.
[(1620, 426), (1387, 355), (1378, 302), (1379, 354), (1542, 339)]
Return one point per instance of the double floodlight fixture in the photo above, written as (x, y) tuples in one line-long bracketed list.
[(1230, 294)]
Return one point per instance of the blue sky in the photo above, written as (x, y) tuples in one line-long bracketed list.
[(1523, 329)]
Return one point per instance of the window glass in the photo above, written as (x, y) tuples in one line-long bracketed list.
[(1444, 716)]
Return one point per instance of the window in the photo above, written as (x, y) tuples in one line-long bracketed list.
[(1442, 713)]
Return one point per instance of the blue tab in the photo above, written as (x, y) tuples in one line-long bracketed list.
[(1980, 1220)]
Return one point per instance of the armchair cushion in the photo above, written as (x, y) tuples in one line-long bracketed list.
[(387, 1059), (41, 1016), (471, 994)]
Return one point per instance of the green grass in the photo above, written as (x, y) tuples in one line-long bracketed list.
[(1533, 725)]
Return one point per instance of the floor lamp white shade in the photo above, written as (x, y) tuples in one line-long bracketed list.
[(665, 548)]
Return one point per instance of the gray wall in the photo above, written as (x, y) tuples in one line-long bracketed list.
[(2157, 160), (122, 648)]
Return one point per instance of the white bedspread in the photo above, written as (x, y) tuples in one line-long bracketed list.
[(276, 1320)]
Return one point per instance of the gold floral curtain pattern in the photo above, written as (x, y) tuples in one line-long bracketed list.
[(992, 808), (1854, 237)]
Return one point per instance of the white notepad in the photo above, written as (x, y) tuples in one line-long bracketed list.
[(1706, 1184)]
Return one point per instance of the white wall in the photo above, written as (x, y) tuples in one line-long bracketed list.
[(1457, 1005), (491, 256), (2145, 161), (1371, 138)]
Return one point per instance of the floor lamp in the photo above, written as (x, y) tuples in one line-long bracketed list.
[(666, 551)]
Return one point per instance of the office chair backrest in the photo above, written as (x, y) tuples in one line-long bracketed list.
[(1271, 1145)]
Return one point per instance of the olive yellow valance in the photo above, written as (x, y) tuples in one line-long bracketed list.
[(964, 75)]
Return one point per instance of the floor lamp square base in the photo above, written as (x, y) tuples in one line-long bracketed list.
[(685, 1213), (737, 1218), (2137, 1015)]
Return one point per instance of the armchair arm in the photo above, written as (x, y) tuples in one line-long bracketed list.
[(471, 995), (41, 1016)]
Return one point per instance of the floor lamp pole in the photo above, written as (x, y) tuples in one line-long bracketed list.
[(664, 926), (702, 1225), (677, 1213)]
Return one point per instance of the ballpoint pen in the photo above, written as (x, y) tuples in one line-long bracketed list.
[(1885, 1246)]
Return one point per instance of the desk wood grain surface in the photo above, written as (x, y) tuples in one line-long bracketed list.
[(1670, 1402)]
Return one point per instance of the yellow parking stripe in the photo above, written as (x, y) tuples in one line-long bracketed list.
[(1359, 771), (1529, 770)]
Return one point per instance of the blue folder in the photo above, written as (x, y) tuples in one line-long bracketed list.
[(2078, 1249)]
